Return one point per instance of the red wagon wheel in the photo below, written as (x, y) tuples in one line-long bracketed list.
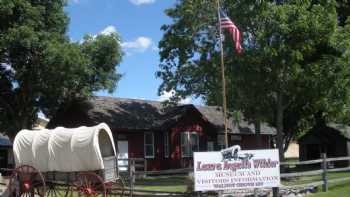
[(26, 181), (90, 185)]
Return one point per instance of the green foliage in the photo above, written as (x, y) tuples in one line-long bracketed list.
[(41, 69), (294, 63), (343, 11)]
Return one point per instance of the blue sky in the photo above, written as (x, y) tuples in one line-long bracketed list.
[(138, 23)]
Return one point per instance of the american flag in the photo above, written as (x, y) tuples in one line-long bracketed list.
[(226, 23)]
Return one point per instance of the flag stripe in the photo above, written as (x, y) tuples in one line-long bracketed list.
[(226, 23)]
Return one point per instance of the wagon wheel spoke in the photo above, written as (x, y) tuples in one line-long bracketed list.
[(26, 181), (51, 193), (48, 192), (90, 184), (87, 182), (51, 190)]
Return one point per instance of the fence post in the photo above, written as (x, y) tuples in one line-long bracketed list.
[(145, 168), (275, 191), (221, 193), (132, 176), (256, 192), (324, 173)]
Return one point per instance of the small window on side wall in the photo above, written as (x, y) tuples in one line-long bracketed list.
[(166, 144), (149, 145)]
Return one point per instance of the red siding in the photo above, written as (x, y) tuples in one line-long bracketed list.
[(196, 124), (159, 162)]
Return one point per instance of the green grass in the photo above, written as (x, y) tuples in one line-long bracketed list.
[(310, 179), (168, 183), (180, 183), (342, 190)]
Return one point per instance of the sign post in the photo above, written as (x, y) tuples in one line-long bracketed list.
[(233, 168)]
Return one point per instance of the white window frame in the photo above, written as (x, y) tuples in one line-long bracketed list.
[(188, 134), (166, 145), (210, 146), (144, 145)]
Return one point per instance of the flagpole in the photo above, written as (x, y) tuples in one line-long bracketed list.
[(223, 77)]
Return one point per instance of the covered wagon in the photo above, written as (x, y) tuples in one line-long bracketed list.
[(64, 160)]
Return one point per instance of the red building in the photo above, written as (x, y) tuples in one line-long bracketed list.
[(165, 136)]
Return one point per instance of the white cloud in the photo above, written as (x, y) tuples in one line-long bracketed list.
[(108, 30), (141, 44), (140, 2), (166, 96)]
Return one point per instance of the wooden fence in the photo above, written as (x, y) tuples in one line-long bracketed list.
[(325, 166), (137, 167)]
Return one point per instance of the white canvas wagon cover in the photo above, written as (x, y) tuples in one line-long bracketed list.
[(64, 149)]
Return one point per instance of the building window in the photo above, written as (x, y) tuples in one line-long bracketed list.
[(189, 143), (166, 144), (221, 142), (210, 146), (149, 145)]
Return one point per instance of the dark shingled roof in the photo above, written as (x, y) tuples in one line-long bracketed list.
[(215, 116), (344, 129), (325, 134), (135, 114)]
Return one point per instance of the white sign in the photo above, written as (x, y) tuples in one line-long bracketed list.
[(232, 168)]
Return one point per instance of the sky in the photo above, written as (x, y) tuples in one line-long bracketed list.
[(138, 22)]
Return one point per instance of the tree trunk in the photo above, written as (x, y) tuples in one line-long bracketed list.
[(279, 124)]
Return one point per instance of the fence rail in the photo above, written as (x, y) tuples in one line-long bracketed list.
[(298, 174), (302, 162), (323, 171), (138, 167), (324, 161)]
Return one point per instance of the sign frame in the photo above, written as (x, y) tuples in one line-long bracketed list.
[(233, 168)]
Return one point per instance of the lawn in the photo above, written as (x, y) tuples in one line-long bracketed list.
[(163, 183), (342, 190), (180, 183), (310, 179)]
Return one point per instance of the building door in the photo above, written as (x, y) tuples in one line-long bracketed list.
[(123, 155)]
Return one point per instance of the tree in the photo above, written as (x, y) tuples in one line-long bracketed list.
[(343, 10), (288, 51), (41, 69)]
